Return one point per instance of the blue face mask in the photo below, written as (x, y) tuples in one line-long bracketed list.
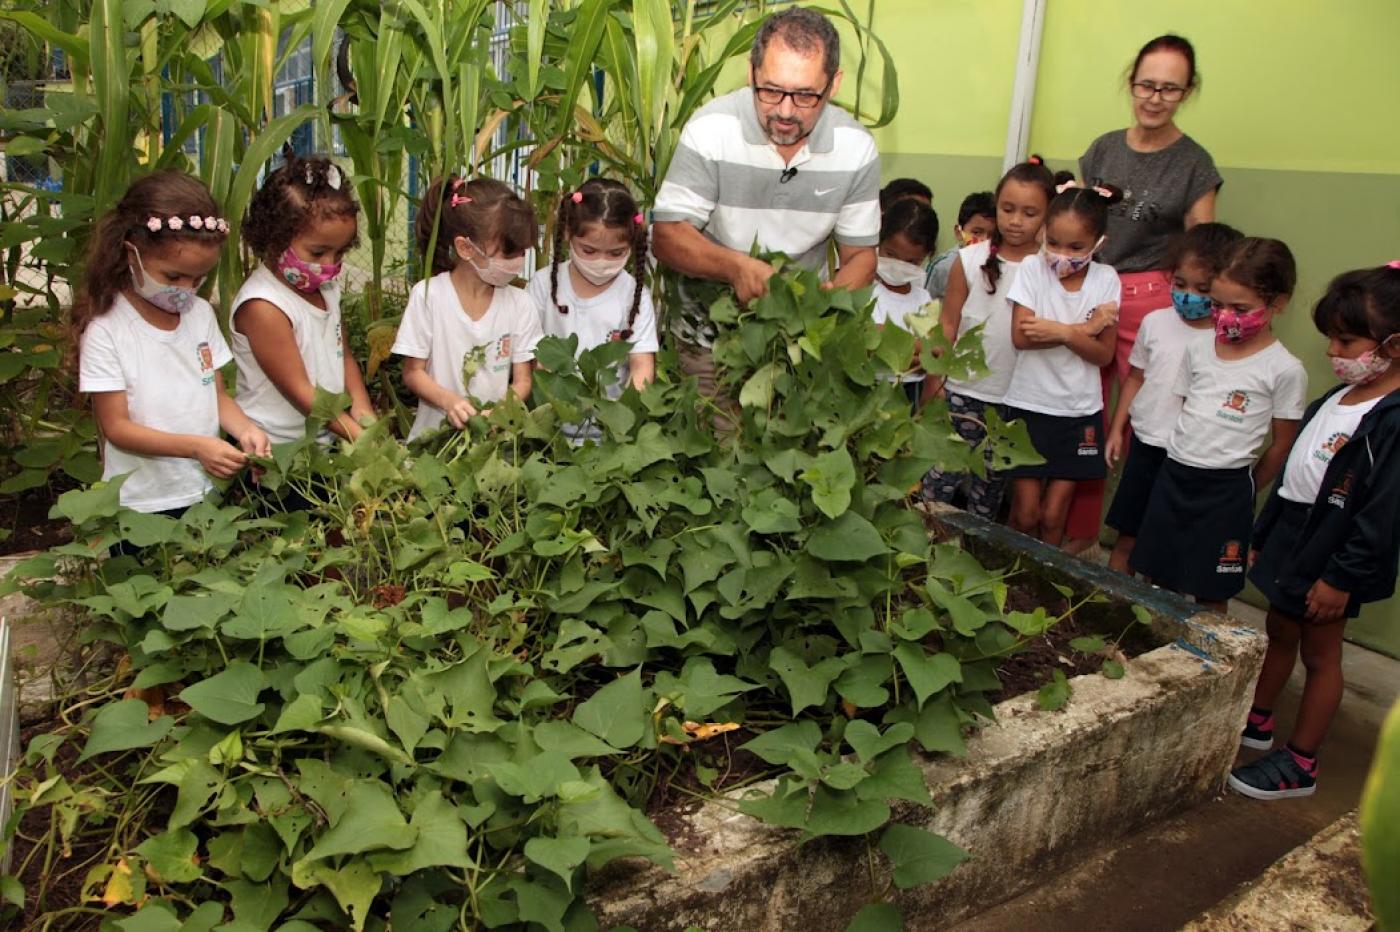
[(1191, 306)]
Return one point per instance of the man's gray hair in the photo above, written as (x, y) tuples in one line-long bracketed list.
[(802, 30)]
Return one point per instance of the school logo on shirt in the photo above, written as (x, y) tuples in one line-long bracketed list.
[(1231, 558), (1089, 443), (1340, 491), (206, 364), (502, 353), (1234, 407), (1329, 449)]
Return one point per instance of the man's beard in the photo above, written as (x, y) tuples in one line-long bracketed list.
[(787, 137)]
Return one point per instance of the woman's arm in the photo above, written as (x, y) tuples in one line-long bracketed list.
[(1203, 211), (219, 459)]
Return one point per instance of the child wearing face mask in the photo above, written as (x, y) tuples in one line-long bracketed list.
[(287, 334), (591, 294), (468, 335), (976, 224), (1328, 540), (1195, 258), (151, 348), (1063, 323), (977, 296), (1195, 533), (908, 232)]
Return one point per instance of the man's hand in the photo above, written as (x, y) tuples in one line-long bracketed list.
[(750, 278)]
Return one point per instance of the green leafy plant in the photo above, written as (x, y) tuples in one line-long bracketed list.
[(1380, 814), (444, 694)]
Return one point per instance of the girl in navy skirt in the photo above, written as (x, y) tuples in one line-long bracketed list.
[(1195, 533), (1146, 397), (1064, 311), (1326, 542)]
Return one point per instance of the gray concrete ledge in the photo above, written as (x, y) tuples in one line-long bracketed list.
[(1036, 792)]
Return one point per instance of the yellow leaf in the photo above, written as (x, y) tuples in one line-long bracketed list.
[(119, 887), (381, 342), (704, 732)]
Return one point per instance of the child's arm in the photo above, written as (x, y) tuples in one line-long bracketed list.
[(1113, 448), (251, 438), (1271, 463), (642, 369), (950, 321), (360, 405), (1029, 332), (274, 346), (415, 376), (522, 378), (220, 459)]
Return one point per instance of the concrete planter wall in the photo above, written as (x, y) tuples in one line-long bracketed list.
[(1036, 790)]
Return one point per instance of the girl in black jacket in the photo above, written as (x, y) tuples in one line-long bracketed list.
[(1326, 542)]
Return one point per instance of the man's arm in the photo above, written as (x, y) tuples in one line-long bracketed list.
[(681, 246)]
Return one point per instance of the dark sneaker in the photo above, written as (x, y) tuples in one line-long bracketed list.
[(1274, 776), (1258, 732)]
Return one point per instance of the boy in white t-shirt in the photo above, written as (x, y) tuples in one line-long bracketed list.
[(468, 336), (1236, 391), (1147, 397)]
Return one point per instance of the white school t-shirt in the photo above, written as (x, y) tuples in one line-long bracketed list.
[(1328, 431), (1056, 380), (319, 342), (1161, 343), (596, 320), (994, 312), (435, 327), (891, 307), (169, 380), (1230, 404)]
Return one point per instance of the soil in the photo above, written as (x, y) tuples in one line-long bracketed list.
[(26, 516)]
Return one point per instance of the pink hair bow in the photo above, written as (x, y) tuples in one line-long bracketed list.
[(1393, 264), (576, 197), (1100, 191), (457, 200)]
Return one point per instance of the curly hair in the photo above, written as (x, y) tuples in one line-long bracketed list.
[(601, 200), (301, 192), (486, 211), (107, 271)]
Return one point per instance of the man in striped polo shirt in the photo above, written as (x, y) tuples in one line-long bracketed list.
[(772, 164)]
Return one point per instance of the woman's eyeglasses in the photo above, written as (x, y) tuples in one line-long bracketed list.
[(1145, 90)]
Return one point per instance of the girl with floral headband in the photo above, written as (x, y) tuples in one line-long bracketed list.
[(151, 348), (287, 334), (595, 289)]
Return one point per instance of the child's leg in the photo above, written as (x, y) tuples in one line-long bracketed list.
[(1025, 505), (1055, 510), (1285, 632), (1122, 550), (1322, 690)]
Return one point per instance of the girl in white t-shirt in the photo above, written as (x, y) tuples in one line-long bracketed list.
[(908, 235), (468, 335), (1064, 323), (287, 335), (1236, 391), (151, 349), (1146, 397), (591, 294), (1327, 541), (976, 296)]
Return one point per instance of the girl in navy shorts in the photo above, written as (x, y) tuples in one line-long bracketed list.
[(1326, 542)]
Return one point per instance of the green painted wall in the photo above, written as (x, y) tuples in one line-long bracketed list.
[(1298, 107)]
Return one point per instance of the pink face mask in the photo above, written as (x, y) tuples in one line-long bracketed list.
[(1063, 265), (306, 277), (1362, 370), (1238, 326)]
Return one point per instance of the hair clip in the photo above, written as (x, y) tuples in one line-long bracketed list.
[(1102, 192), (457, 200), (310, 174), (1062, 188), (333, 177), (639, 219), (153, 224), (576, 197), (1393, 264), (174, 223), (1035, 160), (221, 225), (196, 222)]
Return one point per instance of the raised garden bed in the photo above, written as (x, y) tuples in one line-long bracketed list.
[(1034, 791)]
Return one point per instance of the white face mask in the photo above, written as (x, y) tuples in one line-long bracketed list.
[(897, 272), (497, 272), (599, 271), (173, 299)]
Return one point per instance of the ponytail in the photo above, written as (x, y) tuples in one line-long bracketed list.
[(1031, 171)]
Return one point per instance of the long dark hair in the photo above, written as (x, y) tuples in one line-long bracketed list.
[(1031, 171), (482, 210), (605, 201)]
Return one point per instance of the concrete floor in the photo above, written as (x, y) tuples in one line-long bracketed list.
[(1161, 877)]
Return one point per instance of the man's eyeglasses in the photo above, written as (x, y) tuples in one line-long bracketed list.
[(803, 100), (1171, 93)]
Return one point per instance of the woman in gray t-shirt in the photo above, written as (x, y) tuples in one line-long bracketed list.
[(1169, 183)]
